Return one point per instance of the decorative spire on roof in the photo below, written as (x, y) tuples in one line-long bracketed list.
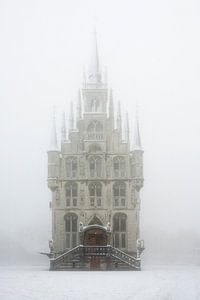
[(53, 140), (71, 117), (119, 118), (94, 74), (63, 129), (111, 106), (136, 137), (127, 128), (79, 106)]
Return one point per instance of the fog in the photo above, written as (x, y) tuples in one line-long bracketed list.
[(151, 50)]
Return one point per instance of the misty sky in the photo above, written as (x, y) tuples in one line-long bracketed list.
[(152, 52)]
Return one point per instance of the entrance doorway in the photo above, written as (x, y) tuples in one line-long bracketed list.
[(95, 236)]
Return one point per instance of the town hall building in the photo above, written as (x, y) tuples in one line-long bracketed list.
[(95, 179)]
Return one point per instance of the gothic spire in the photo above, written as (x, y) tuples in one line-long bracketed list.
[(94, 75), (53, 140), (63, 128), (79, 106), (127, 128), (111, 106), (119, 118), (136, 137), (71, 117)]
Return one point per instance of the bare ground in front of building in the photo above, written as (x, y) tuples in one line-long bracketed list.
[(152, 283)]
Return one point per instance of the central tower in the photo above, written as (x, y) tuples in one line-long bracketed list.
[(95, 179)]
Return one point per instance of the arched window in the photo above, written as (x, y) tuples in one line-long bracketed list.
[(119, 166), (95, 166), (71, 167), (119, 194), (71, 194), (71, 230), (95, 131), (95, 192), (119, 230)]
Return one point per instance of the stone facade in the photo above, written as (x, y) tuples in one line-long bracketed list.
[(95, 178)]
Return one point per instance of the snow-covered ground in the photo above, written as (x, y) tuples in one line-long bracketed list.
[(156, 283)]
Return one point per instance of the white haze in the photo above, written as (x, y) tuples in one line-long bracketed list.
[(152, 51)]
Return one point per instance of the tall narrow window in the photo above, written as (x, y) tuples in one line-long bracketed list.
[(71, 194), (119, 230), (71, 230), (71, 167), (95, 166), (95, 131), (119, 166), (119, 194), (95, 191)]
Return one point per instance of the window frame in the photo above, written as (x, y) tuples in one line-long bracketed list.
[(119, 194), (70, 197), (95, 194), (120, 230), (95, 166), (71, 230), (119, 166), (71, 167)]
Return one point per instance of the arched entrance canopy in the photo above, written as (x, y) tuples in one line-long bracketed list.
[(95, 235)]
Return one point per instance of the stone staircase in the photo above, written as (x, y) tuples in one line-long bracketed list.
[(78, 258)]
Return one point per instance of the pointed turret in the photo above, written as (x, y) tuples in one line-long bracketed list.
[(111, 107), (71, 117), (136, 137), (137, 161), (127, 128), (79, 106), (94, 74), (53, 157), (53, 140), (119, 118), (63, 129)]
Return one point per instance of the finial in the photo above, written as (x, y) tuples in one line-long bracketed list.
[(94, 75), (63, 129), (79, 106), (137, 140), (111, 105), (127, 128), (71, 117), (119, 119)]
